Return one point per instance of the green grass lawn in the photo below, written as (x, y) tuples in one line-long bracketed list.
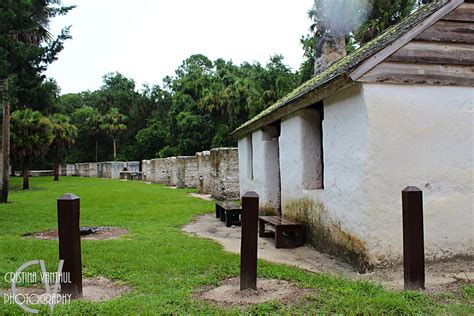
[(163, 265)]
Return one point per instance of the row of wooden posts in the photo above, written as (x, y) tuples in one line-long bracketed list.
[(413, 243)]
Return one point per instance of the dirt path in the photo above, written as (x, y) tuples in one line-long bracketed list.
[(439, 275)]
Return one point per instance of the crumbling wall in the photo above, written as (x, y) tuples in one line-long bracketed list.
[(172, 179), (224, 173), (203, 160), (186, 172), (112, 169), (146, 169), (87, 169), (101, 169), (132, 166), (71, 170), (159, 170)]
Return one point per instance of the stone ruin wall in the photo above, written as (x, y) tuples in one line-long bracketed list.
[(203, 160), (214, 172), (112, 169), (186, 172), (158, 171), (225, 173), (107, 169), (132, 166), (71, 170), (86, 169), (146, 170), (172, 172)]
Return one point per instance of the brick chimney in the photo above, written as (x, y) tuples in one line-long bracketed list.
[(329, 49)]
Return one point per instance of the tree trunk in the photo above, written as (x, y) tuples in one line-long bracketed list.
[(56, 164), (5, 142), (115, 149), (96, 149), (26, 173)]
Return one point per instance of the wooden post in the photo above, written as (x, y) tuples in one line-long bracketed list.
[(248, 247), (413, 242), (70, 244)]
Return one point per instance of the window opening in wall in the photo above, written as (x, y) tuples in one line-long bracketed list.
[(313, 147)]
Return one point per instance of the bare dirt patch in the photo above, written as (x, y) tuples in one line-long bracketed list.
[(205, 197), (87, 233), (448, 275), (228, 293), (96, 289), (100, 289)]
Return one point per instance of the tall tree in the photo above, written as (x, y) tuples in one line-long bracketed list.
[(64, 134), (382, 14), (114, 126), (358, 20), (89, 121), (26, 48), (31, 135)]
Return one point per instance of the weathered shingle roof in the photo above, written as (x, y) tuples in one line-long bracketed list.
[(342, 68)]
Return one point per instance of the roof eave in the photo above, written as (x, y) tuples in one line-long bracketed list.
[(302, 101), (342, 80)]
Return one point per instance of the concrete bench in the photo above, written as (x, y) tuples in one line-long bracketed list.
[(287, 234), (229, 213)]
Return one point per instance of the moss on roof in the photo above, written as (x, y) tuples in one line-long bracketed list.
[(350, 62)]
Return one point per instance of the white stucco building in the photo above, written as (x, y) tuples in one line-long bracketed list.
[(337, 151)]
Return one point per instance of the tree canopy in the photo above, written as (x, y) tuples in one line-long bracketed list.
[(192, 110)]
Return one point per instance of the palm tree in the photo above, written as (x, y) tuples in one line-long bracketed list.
[(65, 134), (31, 136), (382, 15), (23, 22), (113, 124), (89, 121)]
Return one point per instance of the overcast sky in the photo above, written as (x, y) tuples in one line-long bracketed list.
[(148, 39)]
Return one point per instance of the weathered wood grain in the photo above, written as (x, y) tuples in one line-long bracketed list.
[(450, 32), (435, 53), (408, 36), (390, 72), (464, 12)]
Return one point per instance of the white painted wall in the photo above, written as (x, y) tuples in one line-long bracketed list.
[(421, 136), (299, 155), (378, 139), (344, 156), (245, 164), (260, 159)]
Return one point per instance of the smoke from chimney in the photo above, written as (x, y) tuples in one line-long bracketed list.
[(335, 20)]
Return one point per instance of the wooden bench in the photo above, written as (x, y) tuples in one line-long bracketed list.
[(229, 213), (287, 234)]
